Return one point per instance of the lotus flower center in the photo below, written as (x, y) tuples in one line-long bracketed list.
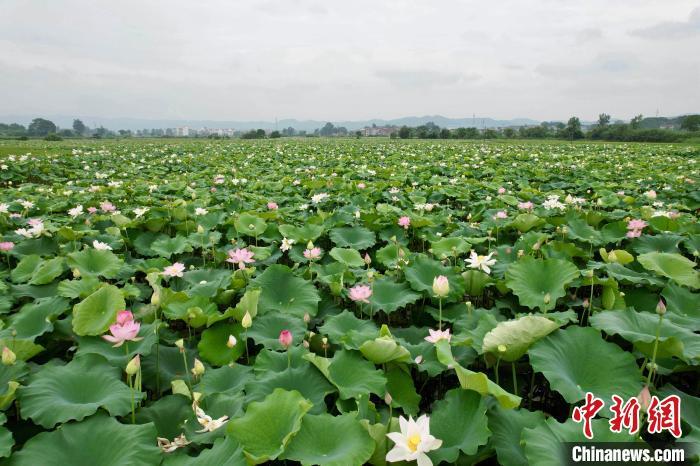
[(413, 442)]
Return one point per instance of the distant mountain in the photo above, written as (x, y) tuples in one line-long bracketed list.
[(133, 124)]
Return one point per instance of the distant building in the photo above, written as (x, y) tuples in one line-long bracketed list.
[(182, 131), (229, 132), (379, 130)]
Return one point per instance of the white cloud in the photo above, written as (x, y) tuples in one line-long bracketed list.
[(337, 60)]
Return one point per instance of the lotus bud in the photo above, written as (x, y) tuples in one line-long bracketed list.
[(311, 335), (324, 340), (368, 260), (419, 359), (644, 398), (198, 368), (388, 399), (247, 321), (305, 344), (155, 298), (180, 345), (441, 286), (200, 229), (76, 273), (521, 252), (8, 356), (307, 317), (134, 365), (547, 298), (285, 338), (469, 307), (231, 342), (661, 308), (393, 239), (310, 245)]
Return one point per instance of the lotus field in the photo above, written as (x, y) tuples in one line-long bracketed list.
[(342, 302)]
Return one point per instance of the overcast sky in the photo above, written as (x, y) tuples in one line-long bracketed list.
[(351, 59)]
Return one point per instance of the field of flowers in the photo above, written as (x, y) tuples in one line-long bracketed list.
[(341, 302)]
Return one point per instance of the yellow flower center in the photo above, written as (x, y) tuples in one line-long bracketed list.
[(413, 442)]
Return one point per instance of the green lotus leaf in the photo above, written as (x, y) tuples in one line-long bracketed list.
[(330, 441), (449, 247), (624, 275), (37, 271), (507, 426), (538, 283), (543, 444), (95, 263), (348, 330), (347, 256), (26, 267), (352, 237), (250, 225), (459, 420), (475, 281), (78, 288), (226, 379), (384, 349), (166, 247), (517, 336), (6, 442), (577, 360), (353, 375), (23, 349), (673, 266), (399, 384), (388, 296), (98, 440), (268, 426), (582, 231), (305, 379), (476, 381), (225, 452), (682, 304), (94, 314), (58, 394), (36, 318), (163, 365), (212, 344), (422, 272), (266, 330), (196, 311), (302, 235), (168, 414), (657, 243), (619, 256), (248, 303), (642, 328), (526, 222), (285, 292)]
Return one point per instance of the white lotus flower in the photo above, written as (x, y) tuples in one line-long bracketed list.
[(100, 246), (208, 424), (413, 442), (75, 211), (200, 211), (484, 263), (286, 244), (140, 211)]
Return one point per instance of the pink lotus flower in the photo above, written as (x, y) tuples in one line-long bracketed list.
[(501, 190), (6, 246), (272, 206), (526, 205), (635, 227), (285, 338), (312, 254), (437, 335), (175, 270), (651, 194), (360, 293), (361, 185), (107, 206), (644, 398), (92, 210), (125, 329), (240, 257), (404, 222), (501, 214)]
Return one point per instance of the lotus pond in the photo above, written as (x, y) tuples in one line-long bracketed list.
[(340, 302)]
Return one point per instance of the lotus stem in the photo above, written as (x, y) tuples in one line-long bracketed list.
[(652, 366)]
